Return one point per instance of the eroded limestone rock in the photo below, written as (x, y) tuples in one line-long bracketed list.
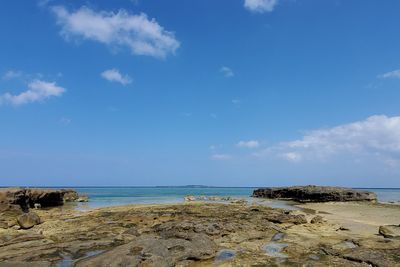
[(28, 220), (313, 193), (390, 231)]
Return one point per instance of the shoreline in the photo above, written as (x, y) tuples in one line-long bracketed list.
[(207, 232), (360, 218)]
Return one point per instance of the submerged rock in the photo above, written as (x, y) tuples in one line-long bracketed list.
[(225, 254), (28, 220), (315, 193), (274, 249), (189, 198), (82, 199)]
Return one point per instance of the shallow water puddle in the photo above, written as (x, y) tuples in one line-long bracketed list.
[(277, 237), (350, 244), (68, 261), (274, 249), (225, 254)]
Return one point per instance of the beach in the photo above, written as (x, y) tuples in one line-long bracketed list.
[(359, 218), (202, 233)]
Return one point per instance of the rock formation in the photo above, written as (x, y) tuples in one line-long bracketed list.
[(28, 220), (13, 198), (315, 193), (70, 195), (390, 231), (190, 234)]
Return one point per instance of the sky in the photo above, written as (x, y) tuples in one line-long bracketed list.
[(210, 92)]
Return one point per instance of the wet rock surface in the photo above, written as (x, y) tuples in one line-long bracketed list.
[(315, 194), (192, 234)]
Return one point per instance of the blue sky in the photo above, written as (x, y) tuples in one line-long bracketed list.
[(226, 92)]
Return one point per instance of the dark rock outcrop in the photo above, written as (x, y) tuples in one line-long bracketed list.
[(312, 193), (45, 197), (15, 198), (12, 199)]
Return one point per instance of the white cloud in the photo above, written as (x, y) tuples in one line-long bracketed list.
[(215, 147), (121, 29), (221, 157), (391, 74), (248, 144), (291, 156), (113, 75), (260, 6), (65, 121), (12, 74), (44, 3), (38, 91), (227, 72), (377, 136)]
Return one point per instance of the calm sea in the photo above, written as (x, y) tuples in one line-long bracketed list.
[(116, 196)]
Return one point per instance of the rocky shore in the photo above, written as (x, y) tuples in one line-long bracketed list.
[(312, 193), (16, 204), (205, 234)]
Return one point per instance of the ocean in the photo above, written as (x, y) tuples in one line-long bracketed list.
[(117, 196)]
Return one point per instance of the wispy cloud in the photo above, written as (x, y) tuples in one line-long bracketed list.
[(113, 75), (38, 91), (391, 74), (221, 157), (12, 74), (377, 136), (248, 144), (227, 72), (65, 121), (141, 35), (260, 6), (291, 156)]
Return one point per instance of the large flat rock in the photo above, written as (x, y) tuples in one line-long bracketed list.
[(26, 197), (312, 193)]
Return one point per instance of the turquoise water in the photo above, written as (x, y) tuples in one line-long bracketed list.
[(116, 196), (387, 194)]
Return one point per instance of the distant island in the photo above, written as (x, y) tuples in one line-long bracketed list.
[(185, 186)]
